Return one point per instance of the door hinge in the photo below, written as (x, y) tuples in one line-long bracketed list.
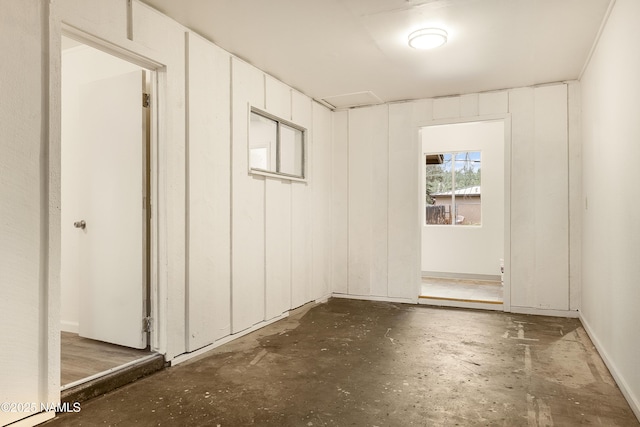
[(146, 324), (146, 100)]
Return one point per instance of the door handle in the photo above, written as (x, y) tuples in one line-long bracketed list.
[(80, 224)]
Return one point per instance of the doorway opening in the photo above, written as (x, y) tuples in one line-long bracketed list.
[(106, 310), (463, 214)]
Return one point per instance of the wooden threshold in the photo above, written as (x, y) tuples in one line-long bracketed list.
[(479, 301)]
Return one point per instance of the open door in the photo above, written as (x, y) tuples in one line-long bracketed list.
[(112, 215)]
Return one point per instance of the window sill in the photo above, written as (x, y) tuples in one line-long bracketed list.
[(276, 175)]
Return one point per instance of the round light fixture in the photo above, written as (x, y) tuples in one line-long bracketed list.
[(427, 38)]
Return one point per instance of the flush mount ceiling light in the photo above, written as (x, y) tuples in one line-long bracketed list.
[(427, 38)]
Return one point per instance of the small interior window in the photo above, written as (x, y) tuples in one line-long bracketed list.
[(276, 146)]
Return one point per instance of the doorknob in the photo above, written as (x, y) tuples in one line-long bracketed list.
[(80, 224)]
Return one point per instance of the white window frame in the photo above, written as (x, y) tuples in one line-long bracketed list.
[(277, 173), (453, 189)]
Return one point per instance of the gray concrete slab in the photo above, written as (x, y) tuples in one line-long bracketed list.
[(362, 363)]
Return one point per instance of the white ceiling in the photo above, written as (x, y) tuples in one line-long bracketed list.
[(328, 48)]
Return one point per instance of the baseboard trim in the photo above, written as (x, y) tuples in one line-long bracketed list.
[(544, 312), (195, 353), (323, 299), (377, 298), (187, 356), (68, 326), (633, 401)]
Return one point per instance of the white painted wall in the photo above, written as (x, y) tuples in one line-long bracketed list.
[(381, 143), (610, 230), (80, 65), (368, 189), (27, 372), (209, 193), (201, 175), (368, 200), (471, 250), (280, 227)]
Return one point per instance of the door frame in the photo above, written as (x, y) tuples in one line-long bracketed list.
[(156, 72), (506, 119)]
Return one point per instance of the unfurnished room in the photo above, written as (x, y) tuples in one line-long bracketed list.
[(319, 213)]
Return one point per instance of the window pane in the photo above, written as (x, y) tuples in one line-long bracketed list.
[(467, 188), (438, 188), (291, 155), (263, 134)]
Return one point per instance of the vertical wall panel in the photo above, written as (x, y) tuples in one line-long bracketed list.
[(208, 287), (551, 197), (278, 247), (368, 204), (404, 198), (278, 98), (379, 211), (301, 211), (278, 214), (523, 226), (321, 202), (248, 205), (300, 244), (575, 195), (340, 201), (23, 208), (539, 198), (360, 202)]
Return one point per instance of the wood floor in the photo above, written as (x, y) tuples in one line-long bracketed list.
[(473, 291), (82, 357)]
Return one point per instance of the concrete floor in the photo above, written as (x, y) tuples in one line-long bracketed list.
[(361, 363)]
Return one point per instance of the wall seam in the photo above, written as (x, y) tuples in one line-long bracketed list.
[(231, 329), (187, 194), (45, 185)]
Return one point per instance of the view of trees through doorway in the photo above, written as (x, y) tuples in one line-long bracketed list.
[(463, 225), (105, 220)]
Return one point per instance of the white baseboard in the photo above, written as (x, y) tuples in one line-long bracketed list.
[(187, 356), (545, 312), (323, 299), (377, 298), (68, 326), (633, 401)]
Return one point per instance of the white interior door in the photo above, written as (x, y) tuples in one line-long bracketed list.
[(112, 263)]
